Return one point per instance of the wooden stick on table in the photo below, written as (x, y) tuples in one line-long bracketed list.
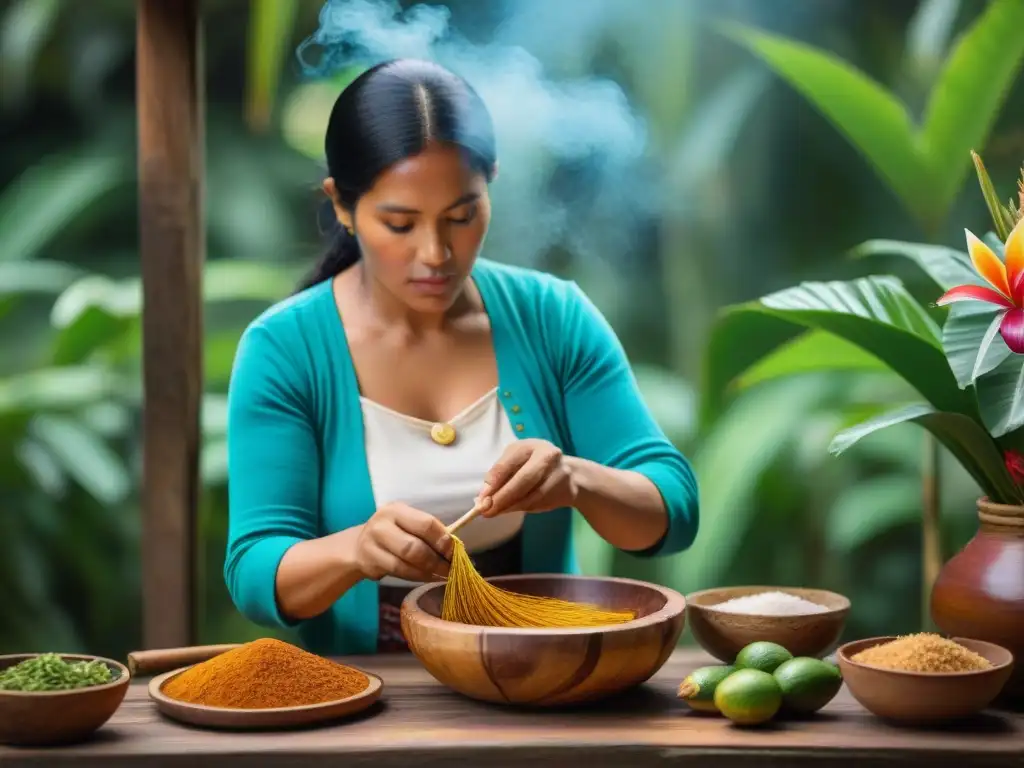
[(161, 660)]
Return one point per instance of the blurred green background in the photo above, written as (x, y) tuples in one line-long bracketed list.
[(747, 185)]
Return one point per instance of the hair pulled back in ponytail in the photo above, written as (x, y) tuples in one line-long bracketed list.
[(386, 115)]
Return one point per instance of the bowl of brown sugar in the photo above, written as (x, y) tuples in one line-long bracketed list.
[(924, 678)]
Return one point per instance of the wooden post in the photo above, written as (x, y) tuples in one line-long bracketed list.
[(169, 95)]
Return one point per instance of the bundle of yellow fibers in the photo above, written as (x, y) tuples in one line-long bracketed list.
[(470, 599)]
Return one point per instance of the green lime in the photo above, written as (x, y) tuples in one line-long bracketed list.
[(748, 697), (807, 684), (698, 688), (762, 655)]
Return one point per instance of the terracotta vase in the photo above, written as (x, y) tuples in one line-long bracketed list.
[(980, 592)]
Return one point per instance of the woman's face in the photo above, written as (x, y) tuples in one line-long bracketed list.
[(421, 226)]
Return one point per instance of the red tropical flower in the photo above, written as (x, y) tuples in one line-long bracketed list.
[(1007, 281), (1015, 466)]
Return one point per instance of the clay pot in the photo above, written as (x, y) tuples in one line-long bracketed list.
[(980, 592)]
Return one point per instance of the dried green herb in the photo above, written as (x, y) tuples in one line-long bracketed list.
[(50, 672)]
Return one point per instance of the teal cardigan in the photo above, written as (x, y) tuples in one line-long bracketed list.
[(296, 461)]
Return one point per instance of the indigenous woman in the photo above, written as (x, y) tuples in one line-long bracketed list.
[(410, 379)]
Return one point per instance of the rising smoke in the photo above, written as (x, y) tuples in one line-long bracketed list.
[(569, 150)]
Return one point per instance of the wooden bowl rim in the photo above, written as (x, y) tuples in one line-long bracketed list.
[(675, 604), (870, 642), (372, 691), (693, 601), (124, 678)]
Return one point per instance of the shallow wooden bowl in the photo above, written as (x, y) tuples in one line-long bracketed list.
[(548, 667), (922, 698), (229, 718), (724, 634), (46, 718)]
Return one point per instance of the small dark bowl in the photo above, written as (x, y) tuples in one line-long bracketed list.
[(922, 697), (47, 718)]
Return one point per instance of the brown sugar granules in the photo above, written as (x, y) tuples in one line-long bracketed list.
[(263, 674), (923, 652)]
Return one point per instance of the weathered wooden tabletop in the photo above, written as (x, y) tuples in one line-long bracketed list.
[(419, 723)]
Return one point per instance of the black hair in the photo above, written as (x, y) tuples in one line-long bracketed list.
[(387, 114)]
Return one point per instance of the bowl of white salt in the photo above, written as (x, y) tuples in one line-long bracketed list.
[(806, 622)]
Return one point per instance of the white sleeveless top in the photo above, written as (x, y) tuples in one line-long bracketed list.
[(406, 465)]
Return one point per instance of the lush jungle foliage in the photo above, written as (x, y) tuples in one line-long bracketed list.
[(759, 178)]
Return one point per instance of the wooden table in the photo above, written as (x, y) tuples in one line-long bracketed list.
[(420, 724)]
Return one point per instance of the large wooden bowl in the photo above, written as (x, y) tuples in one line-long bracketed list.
[(46, 718), (724, 634), (548, 667)]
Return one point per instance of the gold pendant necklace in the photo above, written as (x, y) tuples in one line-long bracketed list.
[(442, 433)]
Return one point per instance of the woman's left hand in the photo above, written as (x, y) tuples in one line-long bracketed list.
[(531, 476)]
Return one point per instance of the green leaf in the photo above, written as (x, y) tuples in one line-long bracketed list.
[(93, 330), (1001, 396), (670, 398), (946, 266), (811, 351), (93, 313), (870, 508), (84, 457), (964, 437), (928, 36), (108, 419), (25, 28), (670, 46), (213, 462), (56, 389), (42, 277), (874, 313), (730, 464), (970, 93), (307, 109), (735, 344), (41, 467), (881, 299), (926, 168), (711, 134), (876, 123), (240, 280), (270, 27), (219, 350), (900, 449), (21, 279), (97, 311), (972, 342), (214, 416), (1001, 218), (50, 196), (223, 281)]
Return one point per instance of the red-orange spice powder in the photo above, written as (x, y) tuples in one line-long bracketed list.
[(263, 674)]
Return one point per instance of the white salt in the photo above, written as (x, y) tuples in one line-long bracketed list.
[(770, 604)]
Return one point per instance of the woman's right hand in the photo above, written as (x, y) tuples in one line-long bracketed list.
[(403, 542)]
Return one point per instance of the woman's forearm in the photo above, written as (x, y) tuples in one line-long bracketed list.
[(313, 574), (625, 508)]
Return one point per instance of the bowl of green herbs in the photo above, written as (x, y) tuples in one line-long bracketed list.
[(57, 698)]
